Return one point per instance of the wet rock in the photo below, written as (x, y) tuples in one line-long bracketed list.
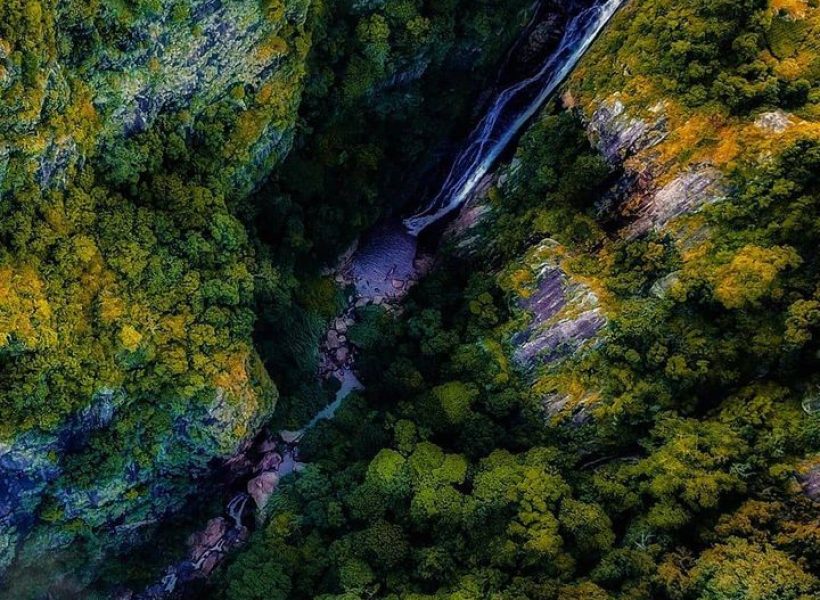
[(266, 446), (333, 339), (461, 230), (341, 355), (289, 437), (269, 462), (203, 541), (545, 34), (260, 488)]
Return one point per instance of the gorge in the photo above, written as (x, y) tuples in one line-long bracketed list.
[(409, 299)]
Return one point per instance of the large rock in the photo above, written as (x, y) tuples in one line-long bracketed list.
[(261, 487), (684, 194), (619, 135), (562, 314)]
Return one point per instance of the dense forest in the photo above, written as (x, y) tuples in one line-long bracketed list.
[(165, 239)]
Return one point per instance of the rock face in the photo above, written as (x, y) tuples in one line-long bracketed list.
[(775, 121), (686, 193), (28, 465), (559, 315), (261, 487), (177, 56), (562, 314), (639, 200), (617, 135), (810, 482)]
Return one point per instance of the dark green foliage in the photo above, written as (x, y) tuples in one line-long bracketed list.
[(708, 51), (153, 271)]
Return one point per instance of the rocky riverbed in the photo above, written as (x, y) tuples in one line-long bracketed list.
[(379, 271)]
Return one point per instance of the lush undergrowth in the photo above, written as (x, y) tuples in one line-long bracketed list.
[(391, 85)]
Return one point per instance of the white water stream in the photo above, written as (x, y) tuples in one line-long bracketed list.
[(509, 113)]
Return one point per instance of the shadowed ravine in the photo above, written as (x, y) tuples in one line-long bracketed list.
[(380, 270)]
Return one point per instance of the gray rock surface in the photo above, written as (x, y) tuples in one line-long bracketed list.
[(30, 462), (618, 135), (562, 316), (685, 194)]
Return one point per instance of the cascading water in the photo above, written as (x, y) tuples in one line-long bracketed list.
[(510, 111)]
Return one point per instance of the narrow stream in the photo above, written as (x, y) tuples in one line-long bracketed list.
[(381, 270)]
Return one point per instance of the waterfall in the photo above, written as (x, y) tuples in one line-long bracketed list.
[(510, 111), (236, 507)]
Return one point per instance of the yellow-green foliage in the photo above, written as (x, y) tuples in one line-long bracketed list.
[(710, 66), (132, 270)]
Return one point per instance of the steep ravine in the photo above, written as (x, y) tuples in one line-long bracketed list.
[(379, 271), (651, 184)]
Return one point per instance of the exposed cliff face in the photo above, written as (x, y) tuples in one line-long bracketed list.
[(670, 170), (29, 466), (45, 510), (651, 192), (560, 313)]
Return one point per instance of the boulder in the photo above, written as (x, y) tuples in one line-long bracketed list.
[(333, 339), (203, 541), (269, 462), (261, 487)]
